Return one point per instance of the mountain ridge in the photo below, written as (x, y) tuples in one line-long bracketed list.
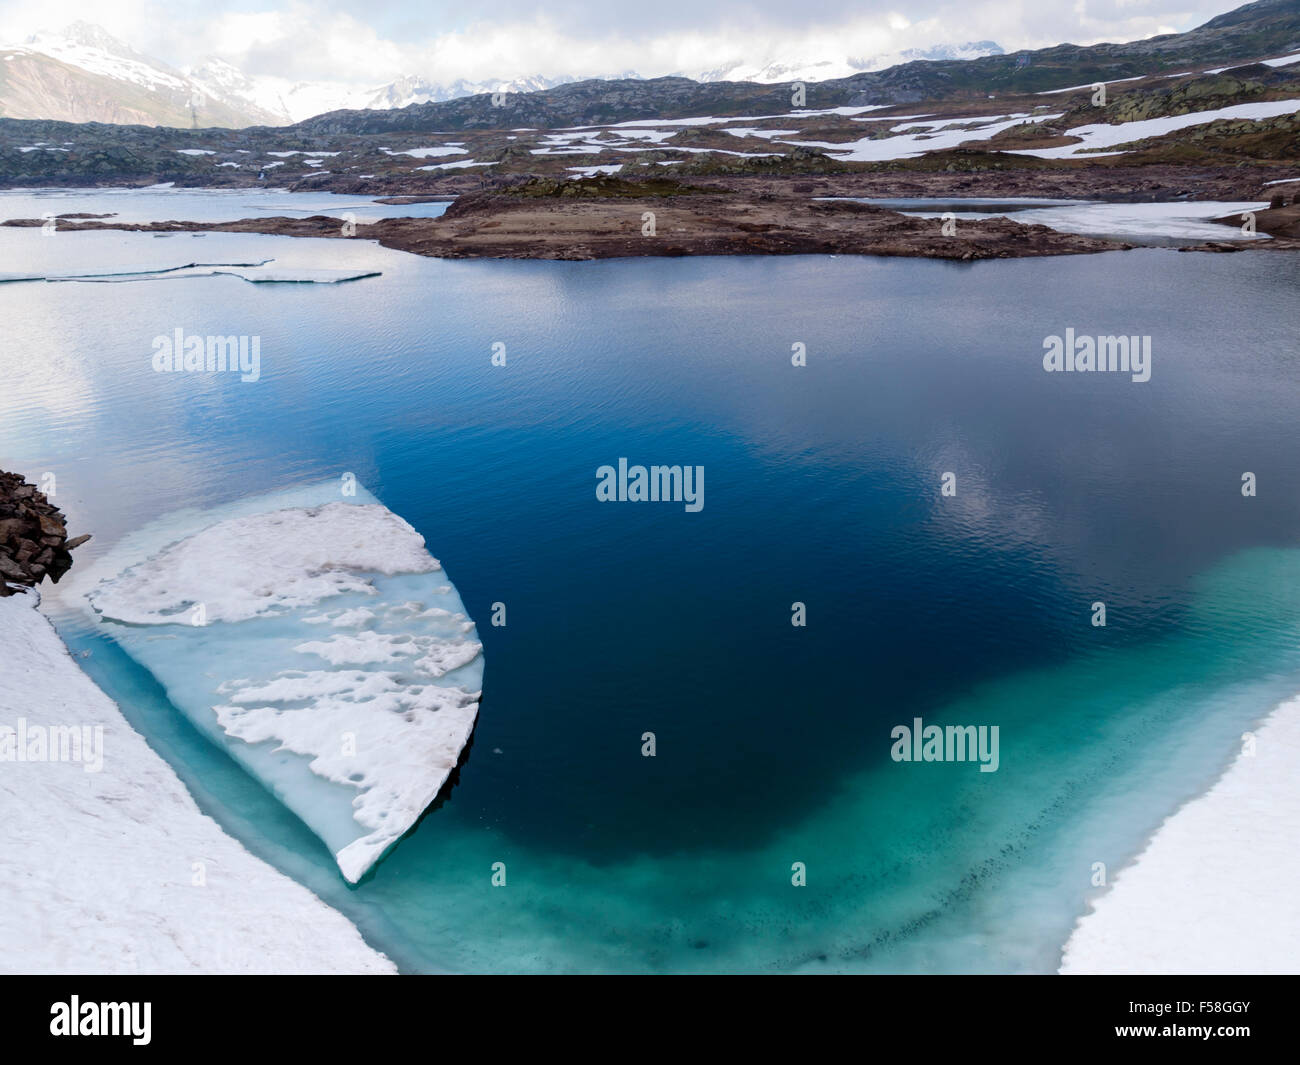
[(71, 75), (218, 95)]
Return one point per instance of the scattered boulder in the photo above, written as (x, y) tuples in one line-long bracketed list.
[(34, 540)]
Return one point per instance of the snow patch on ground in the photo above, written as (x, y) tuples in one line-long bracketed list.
[(930, 136), (428, 153), (460, 164), (1280, 61), (1101, 135), (592, 171)]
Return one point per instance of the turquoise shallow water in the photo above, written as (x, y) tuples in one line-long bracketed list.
[(822, 486)]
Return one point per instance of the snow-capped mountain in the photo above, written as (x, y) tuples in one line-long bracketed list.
[(410, 89), (94, 50), (284, 101), (220, 80), (771, 72), (84, 74), (969, 50)]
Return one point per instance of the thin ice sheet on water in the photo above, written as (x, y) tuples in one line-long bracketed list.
[(318, 642)]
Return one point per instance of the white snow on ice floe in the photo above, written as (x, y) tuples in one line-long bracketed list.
[(269, 563), (318, 642), (299, 275), (1214, 891), (96, 873)]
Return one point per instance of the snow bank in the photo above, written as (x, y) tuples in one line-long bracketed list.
[(1101, 135), (459, 165), (315, 640), (1280, 61), (930, 136), (98, 869), (1214, 891)]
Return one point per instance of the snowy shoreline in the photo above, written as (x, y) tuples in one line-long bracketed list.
[(1212, 892), (117, 870)]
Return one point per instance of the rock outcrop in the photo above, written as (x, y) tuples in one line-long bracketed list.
[(34, 540)]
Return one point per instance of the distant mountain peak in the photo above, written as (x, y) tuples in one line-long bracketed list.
[(81, 34), (827, 68), (969, 50)]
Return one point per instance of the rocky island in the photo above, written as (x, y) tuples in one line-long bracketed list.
[(570, 172), (606, 217)]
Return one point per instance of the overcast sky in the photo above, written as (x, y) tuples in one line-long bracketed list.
[(373, 41)]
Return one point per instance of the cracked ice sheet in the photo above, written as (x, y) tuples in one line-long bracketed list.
[(335, 662)]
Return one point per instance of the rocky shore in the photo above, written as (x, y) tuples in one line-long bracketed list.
[(1280, 220), (34, 540)]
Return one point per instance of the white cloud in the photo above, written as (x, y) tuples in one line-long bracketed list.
[(368, 43)]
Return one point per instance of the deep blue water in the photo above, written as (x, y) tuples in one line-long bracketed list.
[(822, 486)]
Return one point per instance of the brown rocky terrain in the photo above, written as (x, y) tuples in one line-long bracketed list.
[(962, 173), (34, 540), (1280, 221), (602, 218), (1277, 221)]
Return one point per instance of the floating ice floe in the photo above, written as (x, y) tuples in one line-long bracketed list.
[(299, 275), (317, 641), (255, 272)]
